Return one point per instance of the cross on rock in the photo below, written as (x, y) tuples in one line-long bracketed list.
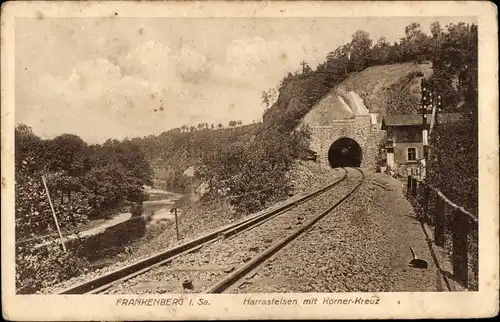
[(303, 63)]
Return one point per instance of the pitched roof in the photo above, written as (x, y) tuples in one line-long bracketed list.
[(416, 119)]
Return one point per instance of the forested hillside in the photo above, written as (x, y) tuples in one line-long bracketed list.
[(174, 151), (236, 163), (84, 181)]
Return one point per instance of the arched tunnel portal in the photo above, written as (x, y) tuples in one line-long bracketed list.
[(345, 152)]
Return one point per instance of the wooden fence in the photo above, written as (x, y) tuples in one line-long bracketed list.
[(455, 229)]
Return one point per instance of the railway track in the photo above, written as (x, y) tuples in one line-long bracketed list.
[(220, 266), (107, 282), (233, 281)]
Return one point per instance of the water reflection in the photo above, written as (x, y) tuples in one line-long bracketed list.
[(160, 202)]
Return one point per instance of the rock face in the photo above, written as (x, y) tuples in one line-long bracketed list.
[(356, 103), (328, 110), (378, 85), (189, 171), (334, 107), (203, 188)]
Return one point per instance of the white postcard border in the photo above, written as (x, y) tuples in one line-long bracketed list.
[(391, 305)]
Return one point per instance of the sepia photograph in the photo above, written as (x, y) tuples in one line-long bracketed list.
[(253, 156)]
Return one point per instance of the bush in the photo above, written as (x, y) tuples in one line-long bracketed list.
[(137, 209), (253, 174), (453, 164), (46, 266)]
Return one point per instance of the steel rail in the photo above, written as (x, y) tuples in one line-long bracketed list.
[(237, 278), (107, 280)]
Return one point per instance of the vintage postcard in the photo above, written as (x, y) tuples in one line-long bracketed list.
[(208, 160)]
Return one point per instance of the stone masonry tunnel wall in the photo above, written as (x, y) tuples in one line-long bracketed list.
[(359, 129)]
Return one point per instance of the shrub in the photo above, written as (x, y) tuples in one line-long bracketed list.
[(253, 174), (46, 266)]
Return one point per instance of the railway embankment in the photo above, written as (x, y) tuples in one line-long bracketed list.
[(198, 218), (362, 246), (216, 260)]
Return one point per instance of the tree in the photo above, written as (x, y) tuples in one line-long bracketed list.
[(247, 171), (268, 97), (395, 53), (381, 53), (360, 50), (265, 99), (338, 61), (66, 153), (286, 80), (416, 44), (29, 148), (454, 55), (436, 29), (455, 171)]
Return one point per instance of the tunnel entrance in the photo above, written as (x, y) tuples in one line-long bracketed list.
[(345, 152)]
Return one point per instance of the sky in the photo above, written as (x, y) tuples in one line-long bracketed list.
[(103, 78)]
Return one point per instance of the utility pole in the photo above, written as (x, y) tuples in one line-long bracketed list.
[(439, 108), (53, 213), (174, 210), (426, 104), (431, 102)]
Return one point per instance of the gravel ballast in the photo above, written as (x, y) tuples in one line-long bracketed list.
[(214, 261), (362, 246)]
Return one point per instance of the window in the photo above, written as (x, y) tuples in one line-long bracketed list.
[(412, 154)]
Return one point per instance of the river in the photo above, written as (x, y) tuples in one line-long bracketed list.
[(161, 202)]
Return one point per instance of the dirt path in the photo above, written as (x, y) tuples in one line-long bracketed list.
[(118, 219)]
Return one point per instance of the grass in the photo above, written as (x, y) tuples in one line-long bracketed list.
[(376, 84)]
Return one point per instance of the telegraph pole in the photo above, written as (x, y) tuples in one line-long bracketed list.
[(439, 108), (431, 103), (54, 214), (426, 104), (174, 210)]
